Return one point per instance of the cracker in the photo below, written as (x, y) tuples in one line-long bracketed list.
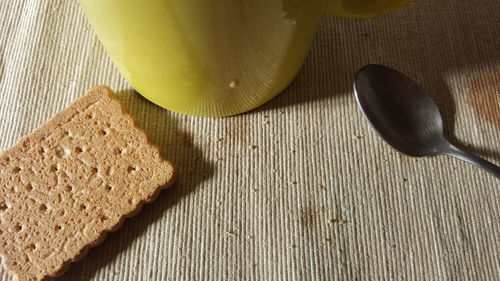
[(72, 180)]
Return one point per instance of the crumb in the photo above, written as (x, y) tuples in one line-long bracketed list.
[(254, 189), (358, 137), (405, 179), (218, 139), (292, 151), (233, 84), (332, 221), (267, 122), (252, 146), (322, 187), (266, 116), (231, 233), (293, 246), (219, 159), (293, 182), (328, 239)]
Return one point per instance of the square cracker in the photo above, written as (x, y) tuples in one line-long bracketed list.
[(72, 180)]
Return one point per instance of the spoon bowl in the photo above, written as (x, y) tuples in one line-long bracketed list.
[(406, 116)]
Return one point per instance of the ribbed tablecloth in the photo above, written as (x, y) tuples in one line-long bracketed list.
[(301, 188)]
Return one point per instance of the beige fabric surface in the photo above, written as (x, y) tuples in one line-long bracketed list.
[(271, 213)]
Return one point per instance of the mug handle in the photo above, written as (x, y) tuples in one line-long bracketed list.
[(363, 8)]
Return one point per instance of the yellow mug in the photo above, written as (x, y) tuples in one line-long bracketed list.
[(214, 58)]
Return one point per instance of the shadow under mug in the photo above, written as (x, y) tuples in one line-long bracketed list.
[(214, 58)]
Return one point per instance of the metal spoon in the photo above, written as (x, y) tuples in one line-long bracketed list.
[(405, 116)]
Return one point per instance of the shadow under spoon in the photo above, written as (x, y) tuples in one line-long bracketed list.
[(406, 117)]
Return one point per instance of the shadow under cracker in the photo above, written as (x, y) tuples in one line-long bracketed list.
[(164, 132)]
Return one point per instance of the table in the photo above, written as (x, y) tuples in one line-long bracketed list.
[(301, 188)]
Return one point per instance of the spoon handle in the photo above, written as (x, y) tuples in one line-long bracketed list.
[(473, 159)]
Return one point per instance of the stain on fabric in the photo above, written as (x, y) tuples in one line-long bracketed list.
[(237, 128), (484, 97), (308, 217), (186, 139)]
